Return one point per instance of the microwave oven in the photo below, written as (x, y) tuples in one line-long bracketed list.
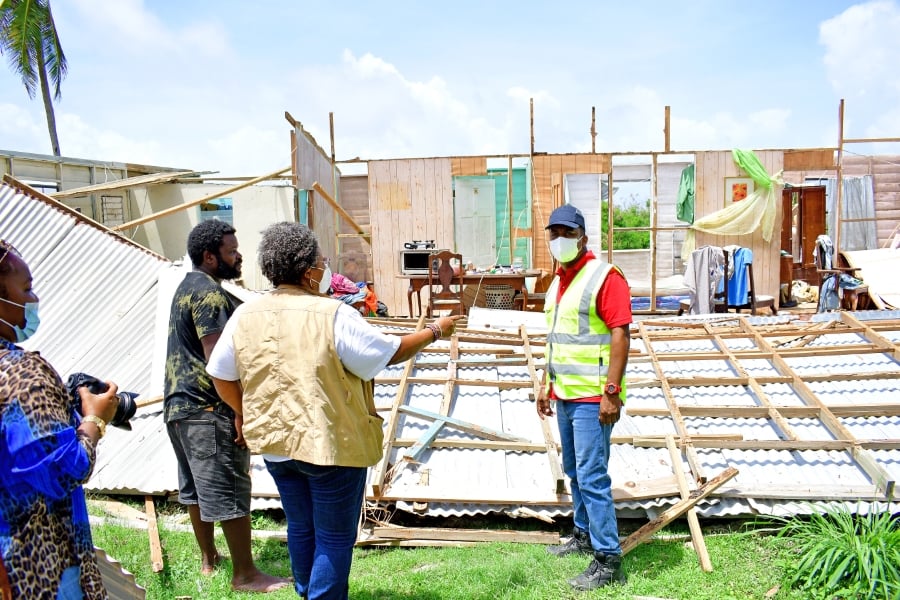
[(415, 262)]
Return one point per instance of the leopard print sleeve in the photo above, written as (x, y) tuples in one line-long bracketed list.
[(39, 428)]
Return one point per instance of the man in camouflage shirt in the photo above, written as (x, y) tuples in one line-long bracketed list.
[(213, 461)]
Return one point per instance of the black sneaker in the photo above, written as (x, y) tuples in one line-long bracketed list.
[(579, 543), (603, 570)]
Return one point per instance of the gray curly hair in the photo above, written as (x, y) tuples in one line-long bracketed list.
[(286, 251)]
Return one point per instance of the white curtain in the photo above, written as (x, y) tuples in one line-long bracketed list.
[(858, 201)]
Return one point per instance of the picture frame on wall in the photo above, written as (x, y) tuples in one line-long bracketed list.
[(738, 188)]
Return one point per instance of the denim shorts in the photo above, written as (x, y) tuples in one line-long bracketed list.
[(212, 470)]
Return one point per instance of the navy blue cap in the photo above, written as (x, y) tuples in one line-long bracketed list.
[(566, 215)]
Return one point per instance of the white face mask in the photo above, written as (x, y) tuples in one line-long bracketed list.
[(564, 249), (32, 320), (325, 282)]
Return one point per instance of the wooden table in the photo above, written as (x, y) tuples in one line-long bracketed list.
[(515, 280)]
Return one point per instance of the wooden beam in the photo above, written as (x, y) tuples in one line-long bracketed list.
[(667, 133), (466, 535), (192, 203), (672, 513), (156, 555), (380, 469), (553, 458), (461, 425), (674, 410), (340, 210), (416, 450), (693, 522)]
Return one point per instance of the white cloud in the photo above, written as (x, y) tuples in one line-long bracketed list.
[(861, 49), (133, 29), (18, 128), (79, 138)]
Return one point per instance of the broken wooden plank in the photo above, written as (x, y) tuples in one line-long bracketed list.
[(461, 425), (379, 471), (672, 513), (553, 459), (465, 535), (156, 556), (693, 522), (415, 451)]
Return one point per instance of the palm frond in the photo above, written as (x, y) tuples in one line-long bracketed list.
[(27, 32)]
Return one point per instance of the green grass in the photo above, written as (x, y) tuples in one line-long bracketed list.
[(746, 565)]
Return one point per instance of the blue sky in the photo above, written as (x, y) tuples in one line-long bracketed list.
[(204, 84)]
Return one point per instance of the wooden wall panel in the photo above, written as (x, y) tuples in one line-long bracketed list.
[(808, 160), (311, 165), (711, 170), (408, 200), (468, 165)]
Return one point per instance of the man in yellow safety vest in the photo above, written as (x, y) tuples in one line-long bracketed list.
[(588, 309)]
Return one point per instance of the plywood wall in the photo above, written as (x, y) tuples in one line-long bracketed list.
[(547, 193), (312, 165), (408, 200), (711, 170)]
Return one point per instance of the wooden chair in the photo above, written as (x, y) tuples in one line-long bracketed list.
[(754, 300), (445, 284)]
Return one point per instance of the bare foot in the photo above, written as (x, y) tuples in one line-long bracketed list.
[(261, 582), (209, 568)]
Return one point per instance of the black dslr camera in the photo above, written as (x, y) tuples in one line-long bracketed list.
[(124, 411)]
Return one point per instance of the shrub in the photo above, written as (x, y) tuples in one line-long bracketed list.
[(851, 556)]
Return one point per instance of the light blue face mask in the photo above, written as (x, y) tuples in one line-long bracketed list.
[(32, 320)]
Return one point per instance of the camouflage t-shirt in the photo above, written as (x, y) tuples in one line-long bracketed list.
[(200, 307)]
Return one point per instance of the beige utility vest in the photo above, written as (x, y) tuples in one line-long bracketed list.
[(299, 400)]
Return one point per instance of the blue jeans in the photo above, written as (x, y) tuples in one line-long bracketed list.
[(585, 454), (322, 506)]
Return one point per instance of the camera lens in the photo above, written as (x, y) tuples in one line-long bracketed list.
[(125, 410)]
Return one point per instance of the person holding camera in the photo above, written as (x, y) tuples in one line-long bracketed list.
[(213, 461), (298, 365), (47, 451)]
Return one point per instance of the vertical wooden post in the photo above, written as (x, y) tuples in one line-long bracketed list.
[(531, 104), (838, 203), (667, 131), (512, 212), (654, 223), (295, 176), (334, 194), (593, 130), (156, 555), (609, 214)]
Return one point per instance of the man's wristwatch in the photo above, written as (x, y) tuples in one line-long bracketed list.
[(612, 389), (100, 423)]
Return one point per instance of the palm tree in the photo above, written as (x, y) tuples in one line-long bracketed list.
[(29, 39)]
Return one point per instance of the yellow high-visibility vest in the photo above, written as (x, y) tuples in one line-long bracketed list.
[(578, 342)]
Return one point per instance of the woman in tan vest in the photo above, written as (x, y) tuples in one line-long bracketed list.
[(298, 365)]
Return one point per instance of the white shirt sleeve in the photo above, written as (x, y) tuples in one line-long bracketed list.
[(222, 361), (362, 348)]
